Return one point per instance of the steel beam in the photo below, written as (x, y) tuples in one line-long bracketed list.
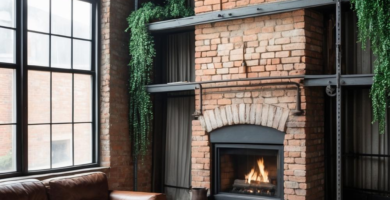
[(238, 13), (309, 80), (339, 195), (170, 87), (345, 80)]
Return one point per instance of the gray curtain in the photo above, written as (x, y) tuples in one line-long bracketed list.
[(180, 67), (180, 53), (356, 60), (363, 139)]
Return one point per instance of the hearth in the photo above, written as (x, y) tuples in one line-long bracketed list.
[(247, 171)]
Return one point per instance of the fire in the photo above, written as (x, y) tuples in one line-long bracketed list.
[(260, 175)]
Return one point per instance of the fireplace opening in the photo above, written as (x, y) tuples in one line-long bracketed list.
[(251, 170)]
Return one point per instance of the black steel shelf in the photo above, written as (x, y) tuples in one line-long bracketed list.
[(308, 80), (174, 87), (345, 80), (188, 23)]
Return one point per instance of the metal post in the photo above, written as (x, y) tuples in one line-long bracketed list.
[(338, 101), (135, 171)]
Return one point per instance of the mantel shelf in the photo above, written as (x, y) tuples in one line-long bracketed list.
[(188, 23)]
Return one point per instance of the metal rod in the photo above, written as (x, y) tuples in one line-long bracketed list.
[(297, 85), (200, 99), (338, 103), (234, 80), (366, 155), (135, 171), (177, 187), (181, 96), (367, 190)]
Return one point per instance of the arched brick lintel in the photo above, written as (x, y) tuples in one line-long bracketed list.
[(256, 114)]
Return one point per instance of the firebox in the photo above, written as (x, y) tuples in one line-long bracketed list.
[(253, 171), (245, 169)]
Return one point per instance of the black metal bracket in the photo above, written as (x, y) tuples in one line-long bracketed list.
[(297, 111), (330, 91)]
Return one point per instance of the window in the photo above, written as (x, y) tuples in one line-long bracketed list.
[(8, 100), (48, 85)]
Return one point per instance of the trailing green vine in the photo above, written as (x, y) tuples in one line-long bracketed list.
[(141, 65), (374, 25)]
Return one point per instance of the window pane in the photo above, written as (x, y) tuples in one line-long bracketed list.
[(7, 148), (38, 49), (7, 47), (62, 97), (82, 19), (62, 145), (82, 98), (7, 96), (38, 97), (60, 52), (81, 55), (82, 143), (61, 17), (7, 13), (38, 15), (38, 147)]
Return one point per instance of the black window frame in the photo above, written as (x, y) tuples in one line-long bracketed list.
[(21, 68)]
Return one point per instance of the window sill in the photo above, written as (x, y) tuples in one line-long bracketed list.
[(52, 175)]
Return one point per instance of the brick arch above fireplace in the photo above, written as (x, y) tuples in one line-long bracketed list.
[(256, 114)]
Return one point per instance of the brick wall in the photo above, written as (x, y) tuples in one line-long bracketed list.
[(115, 141), (6, 110), (276, 45), (203, 6)]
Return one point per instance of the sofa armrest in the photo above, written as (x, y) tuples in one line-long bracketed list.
[(130, 195)]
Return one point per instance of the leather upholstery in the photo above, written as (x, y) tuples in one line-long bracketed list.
[(129, 195), (89, 186), (30, 189)]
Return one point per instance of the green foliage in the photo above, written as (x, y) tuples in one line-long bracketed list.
[(177, 8), (141, 65), (6, 162), (374, 25)]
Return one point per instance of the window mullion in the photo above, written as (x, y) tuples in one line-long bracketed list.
[(94, 68), (23, 106)]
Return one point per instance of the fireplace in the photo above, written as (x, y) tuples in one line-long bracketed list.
[(253, 171), (247, 163)]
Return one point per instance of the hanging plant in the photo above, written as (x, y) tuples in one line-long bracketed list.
[(141, 65), (374, 25)]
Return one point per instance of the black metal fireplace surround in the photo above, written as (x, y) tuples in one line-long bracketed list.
[(247, 163)]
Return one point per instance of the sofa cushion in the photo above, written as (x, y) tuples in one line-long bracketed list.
[(89, 186), (128, 195), (30, 189)]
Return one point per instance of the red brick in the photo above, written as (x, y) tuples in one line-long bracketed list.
[(282, 54), (203, 9)]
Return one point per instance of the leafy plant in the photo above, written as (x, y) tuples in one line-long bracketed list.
[(141, 66), (6, 162), (177, 8), (374, 25)]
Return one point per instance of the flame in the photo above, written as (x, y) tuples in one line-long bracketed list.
[(263, 173), (262, 176)]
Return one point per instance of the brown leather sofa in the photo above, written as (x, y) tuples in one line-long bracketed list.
[(90, 186)]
